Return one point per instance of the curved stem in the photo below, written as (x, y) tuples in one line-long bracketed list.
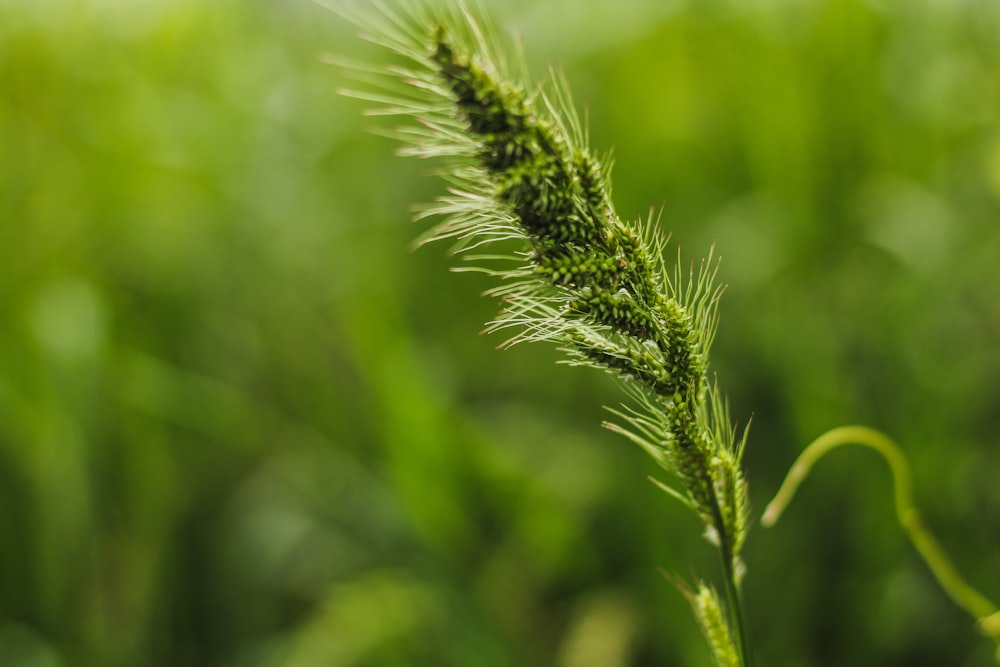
[(972, 601)]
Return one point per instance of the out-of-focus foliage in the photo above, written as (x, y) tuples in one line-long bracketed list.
[(241, 423)]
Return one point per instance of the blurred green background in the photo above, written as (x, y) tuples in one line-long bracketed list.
[(243, 423)]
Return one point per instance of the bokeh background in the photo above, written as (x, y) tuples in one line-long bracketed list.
[(243, 423)]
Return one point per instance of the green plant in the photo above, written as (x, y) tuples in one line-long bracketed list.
[(577, 274), (524, 184), (984, 611)]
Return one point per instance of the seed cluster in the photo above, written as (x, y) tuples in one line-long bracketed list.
[(520, 171), (615, 309)]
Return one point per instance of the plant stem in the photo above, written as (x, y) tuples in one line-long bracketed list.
[(972, 601), (736, 613), (733, 598)]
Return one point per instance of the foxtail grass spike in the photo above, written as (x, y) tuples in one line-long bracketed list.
[(519, 168)]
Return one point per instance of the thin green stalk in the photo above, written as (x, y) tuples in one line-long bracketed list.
[(730, 545), (735, 604), (962, 594), (733, 597)]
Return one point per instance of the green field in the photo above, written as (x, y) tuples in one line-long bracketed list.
[(244, 423)]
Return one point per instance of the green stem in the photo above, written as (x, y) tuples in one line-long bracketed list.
[(733, 599), (736, 611), (972, 601)]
